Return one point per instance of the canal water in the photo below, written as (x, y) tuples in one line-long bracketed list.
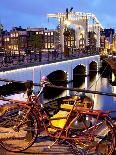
[(94, 82)]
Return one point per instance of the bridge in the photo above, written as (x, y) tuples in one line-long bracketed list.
[(82, 22), (109, 64), (65, 70), (112, 62)]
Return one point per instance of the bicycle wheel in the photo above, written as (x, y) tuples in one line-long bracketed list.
[(18, 129), (97, 139)]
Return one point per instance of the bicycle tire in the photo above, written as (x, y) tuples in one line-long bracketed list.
[(103, 142), (14, 138)]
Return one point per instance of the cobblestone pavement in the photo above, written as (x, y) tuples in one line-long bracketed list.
[(42, 149)]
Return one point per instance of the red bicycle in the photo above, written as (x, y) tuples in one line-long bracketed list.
[(84, 130)]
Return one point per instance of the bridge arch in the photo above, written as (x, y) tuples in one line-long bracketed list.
[(106, 69), (92, 67), (79, 72), (58, 77)]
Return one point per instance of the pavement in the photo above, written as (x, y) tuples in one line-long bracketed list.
[(40, 147), (37, 149)]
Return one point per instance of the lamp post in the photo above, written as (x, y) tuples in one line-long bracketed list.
[(66, 33)]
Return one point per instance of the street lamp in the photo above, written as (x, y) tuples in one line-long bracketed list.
[(66, 33)]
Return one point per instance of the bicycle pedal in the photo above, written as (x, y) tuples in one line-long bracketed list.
[(50, 146), (15, 128)]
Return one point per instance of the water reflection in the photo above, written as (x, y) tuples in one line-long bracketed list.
[(92, 82), (98, 83)]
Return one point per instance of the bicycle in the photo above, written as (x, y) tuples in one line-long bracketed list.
[(84, 130)]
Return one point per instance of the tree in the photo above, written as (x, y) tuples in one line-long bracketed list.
[(37, 43)]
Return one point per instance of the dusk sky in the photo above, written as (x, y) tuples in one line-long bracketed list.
[(33, 13)]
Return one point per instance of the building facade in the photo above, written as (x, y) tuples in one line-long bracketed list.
[(1, 38), (20, 40), (35, 38), (51, 39)]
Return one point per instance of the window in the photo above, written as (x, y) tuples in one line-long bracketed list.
[(7, 39), (46, 45), (81, 36), (68, 43), (41, 32), (48, 33), (52, 45), (80, 41), (16, 35), (11, 35), (52, 39), (51, 33)]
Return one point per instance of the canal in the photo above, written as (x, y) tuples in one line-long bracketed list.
[(95, 82)]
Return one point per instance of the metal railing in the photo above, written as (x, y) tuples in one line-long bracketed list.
[(15, 60), (29, 85)]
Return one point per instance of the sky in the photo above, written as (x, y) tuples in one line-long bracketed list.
[(33, 13)]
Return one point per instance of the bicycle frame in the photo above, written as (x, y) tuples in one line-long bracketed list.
[(80, 124), (62, 133)]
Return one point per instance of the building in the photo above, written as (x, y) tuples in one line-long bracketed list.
[(7, 41), (35, 38), (107, 41), (69, 38), (51, 39), (18, 39), (1, 38), (114, 43), (102, 42), (92, 39)]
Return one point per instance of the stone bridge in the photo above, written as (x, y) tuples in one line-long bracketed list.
[(65, 70), (109, 64)]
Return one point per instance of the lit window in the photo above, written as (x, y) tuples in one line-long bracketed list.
[(7, 39), (41, 32), (80, 41), (37, 32), (48, 45), (45, 34), (52, 45), (72, 38), (68, 43), (51, 33), (15, 47), (81, 36), (16, 34)]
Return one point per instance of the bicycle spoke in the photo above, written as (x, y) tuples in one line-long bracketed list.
[(97, 139), (17, 129)]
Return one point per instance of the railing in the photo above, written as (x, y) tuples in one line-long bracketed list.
[(42, 57), (29, 84)]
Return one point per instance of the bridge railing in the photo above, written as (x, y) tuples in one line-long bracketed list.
[(43, 57), (22, 85)]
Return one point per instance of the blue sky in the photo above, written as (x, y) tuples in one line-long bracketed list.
[(33, 13)]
